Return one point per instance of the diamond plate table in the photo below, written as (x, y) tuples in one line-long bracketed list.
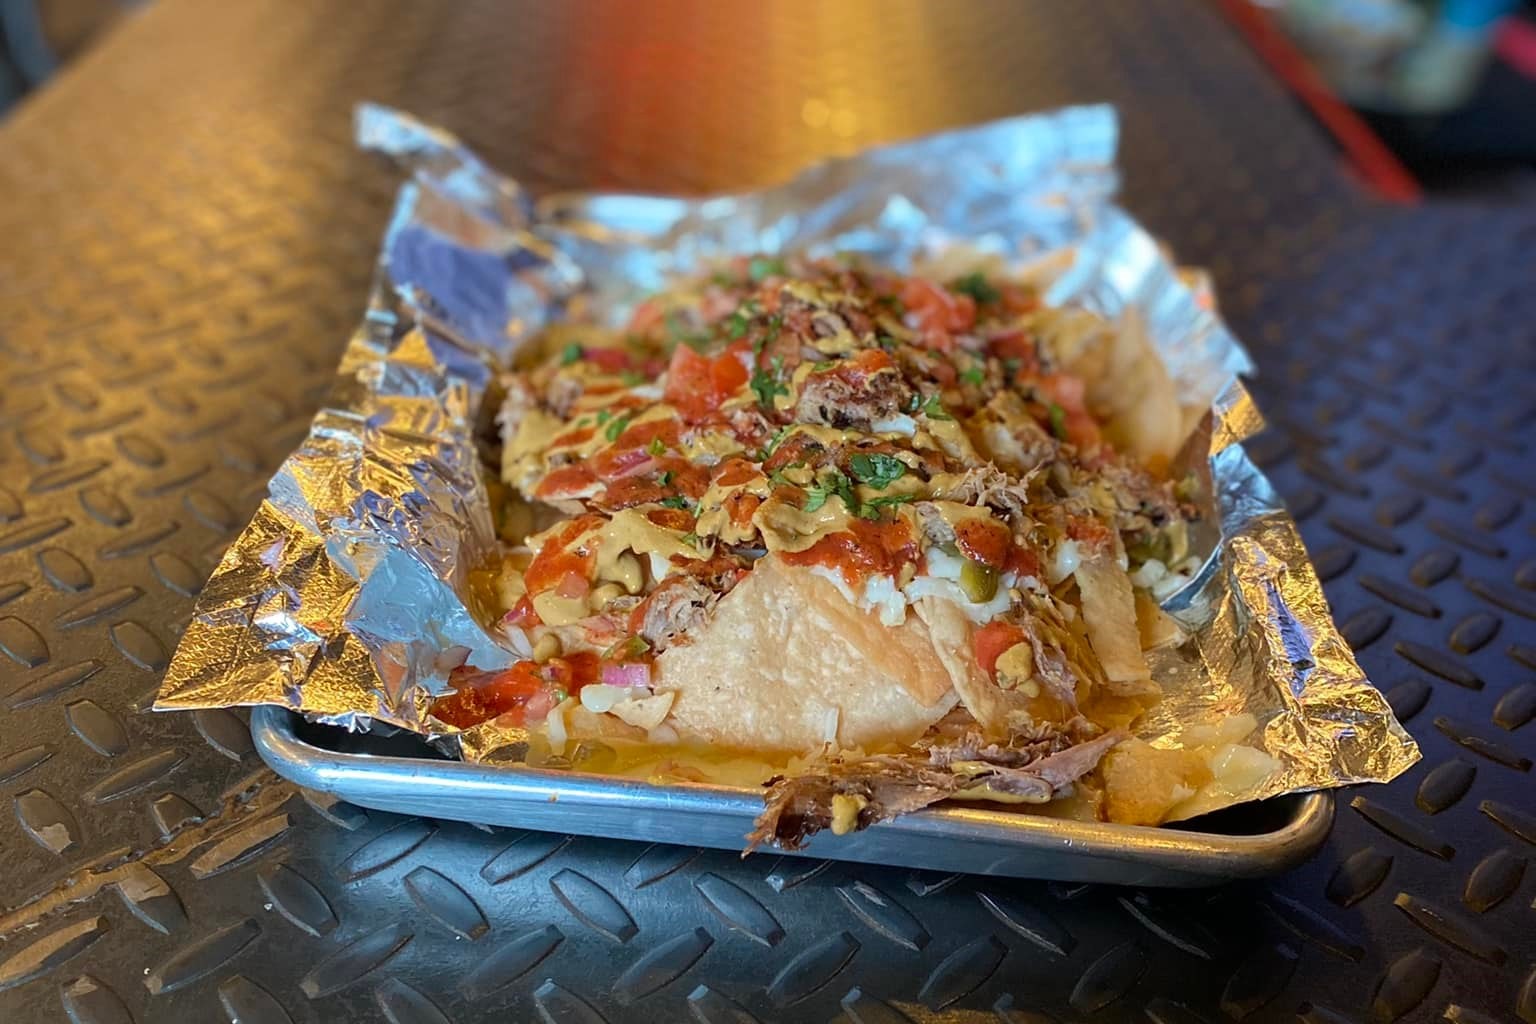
[(185, 239)]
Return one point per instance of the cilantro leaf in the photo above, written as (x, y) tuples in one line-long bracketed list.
[(675, 501), (977, 286), (616, 427), (776, 440), (1058, 421), (570, 354), (934, 409), (877, 470), (974, 375), (871, 508), (764, 266), (632, 378), (766, 385), (657, 446), (815, 497), (664, 477), (737, 323)]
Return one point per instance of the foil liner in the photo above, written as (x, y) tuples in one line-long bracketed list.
[(348, 597)]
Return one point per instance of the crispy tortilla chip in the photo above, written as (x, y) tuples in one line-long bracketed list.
[(951, 633), (1109, 612), (778, 670)]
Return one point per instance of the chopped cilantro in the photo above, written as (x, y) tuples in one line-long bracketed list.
[(657, 446), (974, 375), (915, 402), (1058, 421), (886, 342), (617, 427), (871, 508), (691, 539), (896, 305), (877, 470), (823, 364), (737, 323), (1012, 366), (675, 501), (570, 354), (934, 409), (776, 440), (977, 287), (664, 477), (764, 266), (632, 378), (830, 482), (603, 416), (766, 385), (583, 422)]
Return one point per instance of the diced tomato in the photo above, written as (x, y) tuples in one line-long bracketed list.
[(565, 482), (1068, 392), (697, 384), (992, 640), (939, 312), (641, 435), (480, 696), (1090, 534), (1023, 562), (615, 463), (734, 471), (572, 438), (553, 562), (525, 692), (1018, 347), (983, 540), (863, 550), (740, 508), (609, 360), (671, 519), (522, 614)]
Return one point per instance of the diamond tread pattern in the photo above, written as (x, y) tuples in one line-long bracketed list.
[(187, 239)]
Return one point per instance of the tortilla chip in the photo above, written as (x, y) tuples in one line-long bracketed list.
[(1109, 612), (777, 669), (951, 633)]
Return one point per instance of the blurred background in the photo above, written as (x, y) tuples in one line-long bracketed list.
[(1432, 94)]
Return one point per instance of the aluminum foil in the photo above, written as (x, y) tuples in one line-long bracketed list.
[(347, 598)]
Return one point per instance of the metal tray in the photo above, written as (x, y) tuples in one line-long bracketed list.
[(402, 774)]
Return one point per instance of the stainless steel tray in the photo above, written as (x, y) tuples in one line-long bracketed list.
[(401, 774)]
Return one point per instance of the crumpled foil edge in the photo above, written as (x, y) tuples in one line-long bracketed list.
[(347, 596)]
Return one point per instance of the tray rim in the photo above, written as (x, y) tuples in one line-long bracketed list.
[(395, 783)]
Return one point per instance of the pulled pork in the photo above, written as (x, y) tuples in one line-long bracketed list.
[(852, 795)]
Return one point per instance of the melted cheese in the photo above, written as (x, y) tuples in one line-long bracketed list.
[(787, 528)]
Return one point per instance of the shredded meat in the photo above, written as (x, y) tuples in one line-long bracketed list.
[(987, 485), (1008, 435), (886, 786), (1143, 503), (830, 399), (679, 604)]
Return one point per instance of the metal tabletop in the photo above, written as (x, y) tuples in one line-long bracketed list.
[(186, 235)]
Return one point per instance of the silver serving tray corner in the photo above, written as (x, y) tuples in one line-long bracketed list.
[(1244, 842)]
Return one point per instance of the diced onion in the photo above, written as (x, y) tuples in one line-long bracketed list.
[(573, 585), (1064, 561), (599, 697), (626, 674)]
